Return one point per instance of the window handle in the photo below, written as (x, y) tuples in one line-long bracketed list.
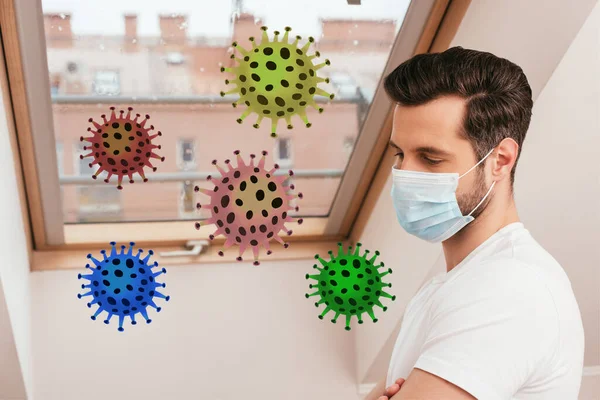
[(193, 248)]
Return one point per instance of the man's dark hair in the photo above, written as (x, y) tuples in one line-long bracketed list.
[(496, 91)]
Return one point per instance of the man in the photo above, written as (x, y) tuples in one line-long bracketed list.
[(502, 322)]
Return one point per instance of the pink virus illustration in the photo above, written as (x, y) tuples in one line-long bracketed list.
[(121, 146), (250, 205)]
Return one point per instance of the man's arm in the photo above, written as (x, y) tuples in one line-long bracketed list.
[(377, 391), (422, 385)]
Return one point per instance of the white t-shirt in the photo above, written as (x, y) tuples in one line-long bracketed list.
[(503, 324)]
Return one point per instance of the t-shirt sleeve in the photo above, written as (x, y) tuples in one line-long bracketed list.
[(489, 335)]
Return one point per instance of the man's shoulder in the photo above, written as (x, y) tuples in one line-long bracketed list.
[(507, 281)]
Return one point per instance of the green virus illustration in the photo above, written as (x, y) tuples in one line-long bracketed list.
[(350, 284), (276, 79)]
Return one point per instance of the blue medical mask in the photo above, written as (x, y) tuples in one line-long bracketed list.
[(426, 204)]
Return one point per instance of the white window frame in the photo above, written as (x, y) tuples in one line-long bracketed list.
[(60, 157), (284, 162), (118, 81), (181, 163), (34, 61), (182, 212), (91, 208)]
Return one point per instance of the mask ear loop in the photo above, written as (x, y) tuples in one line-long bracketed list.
[(476, 207), (484, 197), (480, 161)]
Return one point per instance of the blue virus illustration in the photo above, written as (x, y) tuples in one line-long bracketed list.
[(123, 284), (350, 284)]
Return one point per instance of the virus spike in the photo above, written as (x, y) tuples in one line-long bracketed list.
[(389, 271), (265, 37), (275, 79), (113, 251), (372, 314), (107, 320), (325, 311), (150, 253), (389, 296), (348, 320), (248, 218), (323, 64), (378, 303), (91, 303), (163, 271), (116, 283), (317, 304), (162, 296), (243, 116), (323, 93), (221, 170), (145, 315), (337, 314), (375, 255), (360, 320), (95, 261), (121, 319), (242, 51), (98, 311), (79, 296), (358, 249), (286, 35), (130, 252), (350, 269)]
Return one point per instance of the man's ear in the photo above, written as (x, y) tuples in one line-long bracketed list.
[(504, 158)]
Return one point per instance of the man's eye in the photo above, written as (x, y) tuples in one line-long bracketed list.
[(431, 161), (400, 154)]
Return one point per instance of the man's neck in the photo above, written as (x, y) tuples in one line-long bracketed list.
[(496, 216)]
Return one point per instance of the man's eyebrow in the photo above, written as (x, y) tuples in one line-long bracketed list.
[(394, 145), (433, 150)]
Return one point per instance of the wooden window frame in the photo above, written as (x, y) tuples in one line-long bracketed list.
[(316, 235)]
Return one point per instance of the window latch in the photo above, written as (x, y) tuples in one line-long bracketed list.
[(193, 248)]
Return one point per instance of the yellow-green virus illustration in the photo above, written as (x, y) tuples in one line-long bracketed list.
[(350, 284), (276, 79), (250, 205)]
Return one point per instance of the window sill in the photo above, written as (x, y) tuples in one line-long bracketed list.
[(50, 260)]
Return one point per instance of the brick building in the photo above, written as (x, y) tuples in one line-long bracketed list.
[(175, 78)]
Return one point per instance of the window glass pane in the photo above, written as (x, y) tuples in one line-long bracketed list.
[(164, 59)]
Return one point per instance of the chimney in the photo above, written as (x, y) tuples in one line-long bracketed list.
[(130, 27), (57, 27), (131, 37), (173, 28), (244, 26)]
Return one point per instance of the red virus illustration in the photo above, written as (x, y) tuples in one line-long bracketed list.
[(249, 205), (121, 146)]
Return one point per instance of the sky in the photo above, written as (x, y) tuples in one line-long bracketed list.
[(211, 17)]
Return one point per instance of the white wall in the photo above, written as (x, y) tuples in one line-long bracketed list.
[(557, 181), (14, 269), (11, 379), (230, 331), (558, 186)]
